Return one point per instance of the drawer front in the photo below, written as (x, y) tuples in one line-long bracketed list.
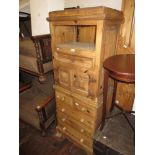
[(76, 114), (82, 52), (75, 61), (76, 104), (62, 98), (79, 127), (76, 136), (83, 107)]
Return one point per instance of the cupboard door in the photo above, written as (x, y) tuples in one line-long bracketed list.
[(62, 77), (80, 83)]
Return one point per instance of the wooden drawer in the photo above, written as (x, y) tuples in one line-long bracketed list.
[(83, 107), (75, 104), (74, 61), (66, 120), (76, 114), (62, 98), (77, 49), (76, 136)]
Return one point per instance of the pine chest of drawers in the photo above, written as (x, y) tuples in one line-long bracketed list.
[(81, 40)]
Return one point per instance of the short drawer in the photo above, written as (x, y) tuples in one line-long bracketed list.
[(63, 98), (84, 107)]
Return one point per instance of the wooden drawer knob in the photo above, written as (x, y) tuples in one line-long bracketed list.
[(63, 119), (83, 109), (77, 104), (82, 130), (58, 48), (64, 128), (62, 109), (82, 120), (81, 140), (63, 98), (72, 50), (58, 96)]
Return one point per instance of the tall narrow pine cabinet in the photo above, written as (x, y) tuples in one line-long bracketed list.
[(81, 40)]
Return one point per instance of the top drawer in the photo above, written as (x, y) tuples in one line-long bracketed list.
[(77, 49)]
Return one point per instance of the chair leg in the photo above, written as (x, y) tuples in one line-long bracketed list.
[(42, 78), (42, 122)]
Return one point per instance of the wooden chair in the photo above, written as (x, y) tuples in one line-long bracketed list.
[(37, 108), (34, 52)]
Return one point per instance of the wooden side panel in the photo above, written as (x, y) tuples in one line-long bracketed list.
[(110, 41), (109, 49)]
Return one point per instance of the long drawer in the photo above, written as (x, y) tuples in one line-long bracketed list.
[(76, 136), (65, 119)]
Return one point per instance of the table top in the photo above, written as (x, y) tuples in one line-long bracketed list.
[(121, 67)]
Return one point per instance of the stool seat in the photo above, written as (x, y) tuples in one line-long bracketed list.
[(121, 68)]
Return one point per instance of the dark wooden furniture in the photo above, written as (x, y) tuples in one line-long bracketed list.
[(121, 68), (35, 56), (24, 86), (44, 118)]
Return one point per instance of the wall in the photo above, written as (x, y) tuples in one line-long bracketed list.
[(116, 4), (39, 12)]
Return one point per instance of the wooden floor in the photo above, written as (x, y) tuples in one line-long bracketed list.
[(32, 143)]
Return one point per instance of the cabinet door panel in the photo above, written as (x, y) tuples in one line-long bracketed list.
[(62, 77), (80, 83)]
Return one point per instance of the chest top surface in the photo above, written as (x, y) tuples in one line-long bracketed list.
[(99, 12)]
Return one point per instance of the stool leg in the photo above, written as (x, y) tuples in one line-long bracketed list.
[(114, 95), (105, 91)]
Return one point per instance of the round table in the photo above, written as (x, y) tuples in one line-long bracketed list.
[(121, 68)]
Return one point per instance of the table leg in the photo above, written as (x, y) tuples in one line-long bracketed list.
[(114, 95)]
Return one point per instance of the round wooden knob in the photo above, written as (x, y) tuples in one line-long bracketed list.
[(77, 104), (64, 128), (82, 120), (58, 96), (62, 109), (81, 140), (82, 130), (63, 119), (57, 48), (83, 109), (63, 98), (72, 50)]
